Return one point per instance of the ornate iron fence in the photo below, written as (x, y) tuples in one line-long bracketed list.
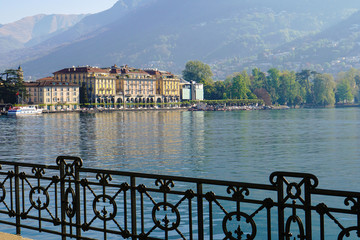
[(70, 201)]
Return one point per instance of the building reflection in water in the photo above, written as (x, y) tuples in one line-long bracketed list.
[(163, 142)]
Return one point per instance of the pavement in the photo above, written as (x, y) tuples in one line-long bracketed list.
[(7, 236)]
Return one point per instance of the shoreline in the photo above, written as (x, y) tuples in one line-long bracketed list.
[(194, 108)]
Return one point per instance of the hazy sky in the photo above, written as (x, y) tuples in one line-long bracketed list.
[(13, 10)]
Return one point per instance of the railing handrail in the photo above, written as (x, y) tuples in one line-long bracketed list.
[(190, 179)]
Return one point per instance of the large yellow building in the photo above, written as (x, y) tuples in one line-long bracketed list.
[(134, 85), (123, 84), (53, 95), (98, 84)]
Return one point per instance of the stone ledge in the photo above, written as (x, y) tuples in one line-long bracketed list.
[(8, 236)]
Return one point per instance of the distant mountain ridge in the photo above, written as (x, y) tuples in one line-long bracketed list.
[(30, 31), (229, 35)]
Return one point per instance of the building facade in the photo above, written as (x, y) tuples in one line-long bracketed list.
[(96, 84), (191, 91), (53, 95), (167, 86), (134, 85), (122, 84)]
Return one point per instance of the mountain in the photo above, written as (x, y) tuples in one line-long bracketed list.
[(332, 50), (91, 23), (83, 29), (30, 31), (228, 35)]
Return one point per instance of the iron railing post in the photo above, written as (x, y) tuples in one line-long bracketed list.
[(200, 211), (77, 199), (17, 200), (280, 193), (133, 207), (307, 206), (63, 200)]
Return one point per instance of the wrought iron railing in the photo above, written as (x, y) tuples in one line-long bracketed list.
[(70, 201)]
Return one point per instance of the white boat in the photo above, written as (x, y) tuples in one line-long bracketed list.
[(25, 110)]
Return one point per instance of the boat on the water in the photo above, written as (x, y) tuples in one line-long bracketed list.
[(25, 110)]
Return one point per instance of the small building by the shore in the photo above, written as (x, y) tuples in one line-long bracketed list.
[(191, 91)]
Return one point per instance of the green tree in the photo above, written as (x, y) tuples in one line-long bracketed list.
[(352, 76), (343, 91), (83, 94), (273, 83), (258, 79), (324, 90), (198, 71), (209, 91), (304, 79), (219, 90), (239, 89), (201, 73), (288, 88), (12, 86)]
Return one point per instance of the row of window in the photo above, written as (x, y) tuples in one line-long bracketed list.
[(55, 94), (58, 100), (139, 92), (33, 89), (48, 100), (61, 94)]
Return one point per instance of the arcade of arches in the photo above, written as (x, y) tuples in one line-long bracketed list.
[(119, 100)]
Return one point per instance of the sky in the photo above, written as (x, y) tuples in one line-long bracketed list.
[(13, 10)]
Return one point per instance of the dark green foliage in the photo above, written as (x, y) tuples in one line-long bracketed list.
[(343, 92), (287, 88), (83, 94), (198, 71), (11, 86)]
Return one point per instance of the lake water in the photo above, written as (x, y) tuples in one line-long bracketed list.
[(244, 146)]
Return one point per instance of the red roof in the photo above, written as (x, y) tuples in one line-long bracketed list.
[(81, 70), (47, 83)]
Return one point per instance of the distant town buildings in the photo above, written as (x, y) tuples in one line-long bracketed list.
[(113, 85)]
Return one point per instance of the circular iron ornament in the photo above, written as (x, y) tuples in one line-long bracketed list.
[(166, 221), (37, 203), (103, 214), (234, 215), (346, 232), (3, 195), (70, 206), (290, 193)]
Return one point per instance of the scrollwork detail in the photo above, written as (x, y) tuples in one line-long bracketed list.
[(356, 205), (104, 178), (238, 192), (38, 171), (165, 185)]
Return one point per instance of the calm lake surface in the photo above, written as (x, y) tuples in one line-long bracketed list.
[(244, 146), (238, 145)]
